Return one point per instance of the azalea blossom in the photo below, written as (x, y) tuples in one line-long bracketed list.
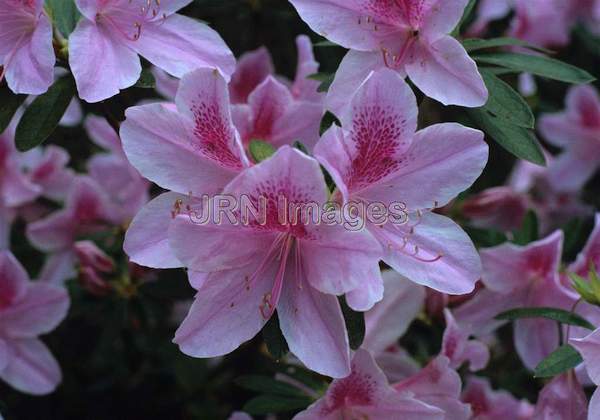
[(296, 268), (457, 347), (26, 52), (366, 393), (409, 37), (487, 404), (589, 347), (520, 276), (499, 208), (104, 48), (376, 156), (191, 150), (576, 130), (562, 398), (27, 310)]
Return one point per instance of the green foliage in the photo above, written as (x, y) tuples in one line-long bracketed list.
[(260, 150), (355, 324), (64, 15), (529, 231), (9, 104), (274, 339), (560, 361), (560, 315)]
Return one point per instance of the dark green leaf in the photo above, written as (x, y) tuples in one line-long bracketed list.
[(504, 102), (64, 15), (9, 104), (267, 404), (146, 80), (561, 360), (588, 39), (355, 324), (485, 238), (43, 115), (465, 17), (519, 141), (300, 146), (538, 65), (325, 44), (267, 385), (474, 44), (326, 80), (554, 314), (260, 150), (327, 121), (529, 231), (274, 338)]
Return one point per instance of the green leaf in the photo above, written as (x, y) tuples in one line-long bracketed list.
[(325, 44), (588, 39), (504, 102), (465, 17), (529, 231), (561, 360), (560, 315), (260, 150), (485, 238), (300, 146), (268, 404), (355, 324), (519, 141), (475, 44), (268, 385), (538, 65), (146, 80), (274, 339), (9, 104), (43, 115), (326, 80), (64, 15), (327, 121)]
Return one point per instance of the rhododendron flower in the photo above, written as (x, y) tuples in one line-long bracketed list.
[(376, 156), (104, 48), (273, 115), (192, 150), (439, 386), (545, 23), (457, 347), (487, 11), (410, 37), (26, 51), (562, 398), (27, 310), (589, 347), (487, 404), (576, 130), (520, 276), (294, 267), (366, 393), (499, 208)]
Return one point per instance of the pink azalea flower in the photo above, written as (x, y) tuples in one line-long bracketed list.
[(546, 23), (27, 310), (563, 398), (576, 130), (296, 268), (104, 48), (253, 67), (457, 347), (486, 12), (488, 404), (366, 393), (192, 150), (520, 276), (589, 347), (26, 51), (272, 114), (410, 37), (376, 156), (496, 208), (47, 168), (439, 386)]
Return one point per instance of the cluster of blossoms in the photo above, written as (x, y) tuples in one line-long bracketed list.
[(241, 131)]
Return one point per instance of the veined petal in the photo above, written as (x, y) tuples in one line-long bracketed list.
[(589, 347), (252, 68), (441, 17)]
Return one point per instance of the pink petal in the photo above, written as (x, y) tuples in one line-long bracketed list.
[(594, 407), (103, 134), (30, 67), (39, 311), (179, 44), (31, 367), (441, 18), (589, 347), (147, 240), (252, 68), (590, 253), (444, 71), (15, 280), (225, 313), (332, 152), (442, 161), (352, 24), (563, 398), (457, 347), (307, 316), (301, 122), (58, 267), (494, 405), (433, 251), (571, 170), (390, 318), (479, 312), (303, 87), (268, 103), (101, 63)]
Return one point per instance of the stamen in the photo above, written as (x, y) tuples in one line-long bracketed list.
[(270, 299)]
